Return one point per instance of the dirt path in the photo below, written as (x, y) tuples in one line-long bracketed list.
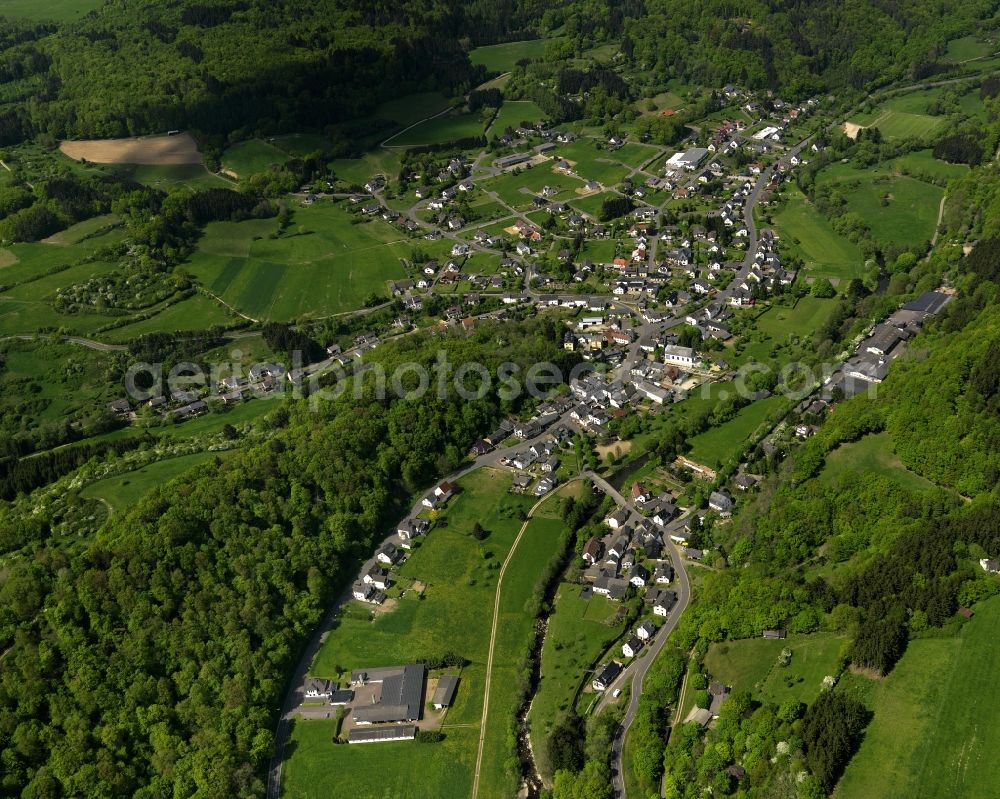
[(493, 635), (937, 225)]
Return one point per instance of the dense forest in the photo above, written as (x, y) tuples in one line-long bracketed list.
[(148, 659)]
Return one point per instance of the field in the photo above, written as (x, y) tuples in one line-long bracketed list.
[(412, 107), (251, 157), (83, 230), (179, 149), (503, 57), (578, 632), (324, 265), (718, 444), (873, 454), (121, 492), (165, 176), (809, 313), (517, 188), (454, 614), (752, 665), (910, 212), (54, 10), (904, 115), (935, 731), (604, 166), (922, 164), (447, 127), (514, 112), (194, 313), (808, 233), (967, 48)]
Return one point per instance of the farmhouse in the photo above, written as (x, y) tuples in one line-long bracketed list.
[(319, 689), (400, 699)]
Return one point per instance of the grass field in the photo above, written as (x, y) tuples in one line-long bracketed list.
[(453, 615), (324, 265), (439, 130), (168, 175), (412, 107), (252, 156), (935, 730), (513, 113), (910, 213), (873, 454), (517, 188), (194, 313), (123, 491), (718, 444), (809, 313), (503, 57), (811, 236), (579, 631), (55, 10), (904, 115), (923, 164), (752, 665), (968, 47), (358, 170), (604, 166), (82, 230)]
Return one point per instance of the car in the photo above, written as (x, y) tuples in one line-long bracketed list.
[(616, 693)]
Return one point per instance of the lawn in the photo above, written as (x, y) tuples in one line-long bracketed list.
[(252, 156), (165, 176), (717, 445), (967, 48), (412, 107), (872, 454), (513, 113), (323, 265), (123, 491), (923, 164), (517, 188), (194, 313), (809, 313), (604, 166), (910, 212), (904, 116), (503, 57), (454, 614), (752, 665), (447, 127), (935, 732), (357, 171), (573, 641), (810, 236)]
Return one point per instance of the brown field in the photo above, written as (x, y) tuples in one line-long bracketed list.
[(155, 150), (7, 258)]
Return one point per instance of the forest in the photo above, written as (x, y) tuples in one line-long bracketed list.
[(148, 659)]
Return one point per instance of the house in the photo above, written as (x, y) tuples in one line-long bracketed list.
[(618, 519), (545, 485), (639, 494), (638, 575), (444, 491), (376, 576), (632, 646), (664, 602), (664, 574), (606, 675), (744, 482), (411, 528), (719, 693), (444, 694), (388, 554), (990, 565), (645, 631), (316, 688), (681, 356), (775, 635), (593, 550), (120, 406), (367, 593), (721, 501)]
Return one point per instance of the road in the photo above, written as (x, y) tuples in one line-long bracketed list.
[(90, 344), (637, 670)]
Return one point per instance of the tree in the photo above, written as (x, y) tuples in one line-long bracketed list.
[(823, 288)]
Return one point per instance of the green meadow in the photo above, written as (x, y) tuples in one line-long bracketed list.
[(579, 631), (50, 10), (252, 156), (870, 455), (503, 57), (323, 265), (447, 127), (935, 731), (513, 112), (811, 236), (717, 445), (752, 665)]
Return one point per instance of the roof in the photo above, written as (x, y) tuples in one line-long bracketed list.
[(930, 302), (402, 693), (445, 692), (402, 733)]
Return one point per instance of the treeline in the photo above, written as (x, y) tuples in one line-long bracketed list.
[(24, 475), (153, 660), (285, 339), (960, 149)]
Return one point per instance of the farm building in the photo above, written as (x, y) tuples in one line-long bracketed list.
[(445, 693)]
